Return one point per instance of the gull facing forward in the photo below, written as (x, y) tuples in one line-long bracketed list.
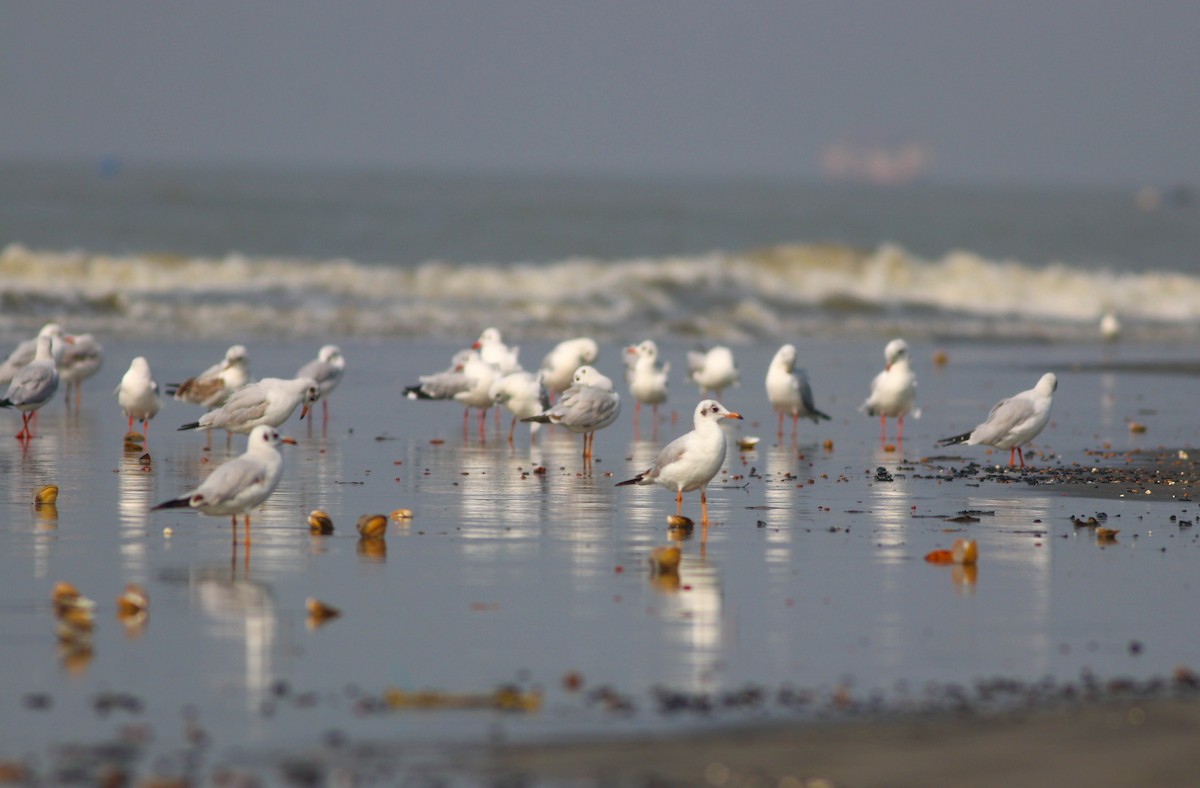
[(893, 391)]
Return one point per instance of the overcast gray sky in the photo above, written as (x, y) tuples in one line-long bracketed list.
[(1012, 91)]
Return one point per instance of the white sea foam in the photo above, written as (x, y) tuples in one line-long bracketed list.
[(772, 292)]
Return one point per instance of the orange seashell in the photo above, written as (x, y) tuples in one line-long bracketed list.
[(964, 551)]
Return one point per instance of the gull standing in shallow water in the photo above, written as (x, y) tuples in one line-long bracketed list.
[(326, 369), (691, 461), (1013, 422), (559, 365), (137, 394), (523, 395), (23, 353), (893, 391), (788, 390), (270, 402), (214, 385), (713, 371), (34, 384), (240, 484), (647, 381), (590, 404), (81, 359)]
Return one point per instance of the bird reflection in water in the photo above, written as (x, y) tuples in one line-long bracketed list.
[(239, 609)]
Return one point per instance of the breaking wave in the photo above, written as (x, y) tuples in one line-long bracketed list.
[(774, 292)]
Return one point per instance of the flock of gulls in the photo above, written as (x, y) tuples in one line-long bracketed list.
[(567, 390)]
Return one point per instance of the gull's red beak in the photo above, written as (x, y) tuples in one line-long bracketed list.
[(289, 441), (731, 415)]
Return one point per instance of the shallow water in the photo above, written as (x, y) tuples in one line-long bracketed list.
[(510, 576)]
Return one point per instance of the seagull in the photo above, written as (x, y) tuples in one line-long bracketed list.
[(1013, 422), (493, 350), (647, 381), (270, 402), (81, 359), (590, 404), (469, 383), (713, 371), (523, 395), (692, 460), (240, 484), (24, 352), (559, 365), (326, 370), (212, 387), (138, 393), (1110, 327), (893, 391), (34, 384), (788, 390)]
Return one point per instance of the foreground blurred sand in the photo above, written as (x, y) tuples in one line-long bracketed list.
[(1117, 744)]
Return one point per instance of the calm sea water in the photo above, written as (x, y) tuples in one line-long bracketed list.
[(225, 253)]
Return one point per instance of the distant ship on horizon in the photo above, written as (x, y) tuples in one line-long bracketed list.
[(874, 162)]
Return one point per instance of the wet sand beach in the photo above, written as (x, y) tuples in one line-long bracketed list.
[(804, 636)]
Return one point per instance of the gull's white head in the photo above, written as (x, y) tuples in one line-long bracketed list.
[(785, 356), (895, 351), (1047, 385)]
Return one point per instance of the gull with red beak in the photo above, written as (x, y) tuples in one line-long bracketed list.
[(893, 391)]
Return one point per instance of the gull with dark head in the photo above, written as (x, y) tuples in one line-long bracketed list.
[(326, 369), (270, 402), (239, 485)]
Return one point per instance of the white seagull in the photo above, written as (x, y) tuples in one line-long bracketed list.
[(326, 369), (590, 404), (1013, 422), (23, 353), (493, 350), (270, 402), (788, 390), (468, 383), (713, 371), (559, 365), (523, 395), (893, 391), (212, 387), (34, 384), (647, 381), (239, 485), (81, 359), (692, 460), (137, 393)]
